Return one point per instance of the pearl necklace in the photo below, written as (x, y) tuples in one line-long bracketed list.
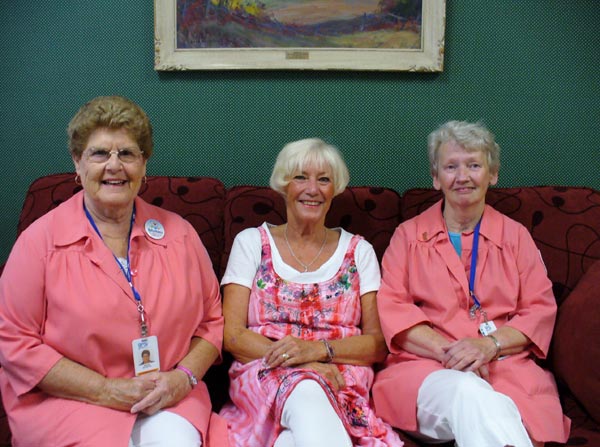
[(306, 266)]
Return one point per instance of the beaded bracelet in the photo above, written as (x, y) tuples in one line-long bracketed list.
[(330, 351)]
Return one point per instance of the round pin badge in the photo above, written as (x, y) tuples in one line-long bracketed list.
[(154, 229)]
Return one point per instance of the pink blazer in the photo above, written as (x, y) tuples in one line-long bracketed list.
[(62, 294), (424, 281)]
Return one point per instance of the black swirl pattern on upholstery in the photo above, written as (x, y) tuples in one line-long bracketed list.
[(564, 223), (371, 212), (200, 200)]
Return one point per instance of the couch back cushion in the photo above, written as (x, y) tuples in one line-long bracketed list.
[(564, 223), (371, 212), (200, 200)]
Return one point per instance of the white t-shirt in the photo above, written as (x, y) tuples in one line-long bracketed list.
[(244, 261)]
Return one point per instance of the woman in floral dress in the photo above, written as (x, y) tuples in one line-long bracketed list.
[(301, 318)]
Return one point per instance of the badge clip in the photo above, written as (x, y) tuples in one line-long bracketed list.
[(473, 311)]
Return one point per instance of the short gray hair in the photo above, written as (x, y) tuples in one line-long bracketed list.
[(471, 136), (295, 156)]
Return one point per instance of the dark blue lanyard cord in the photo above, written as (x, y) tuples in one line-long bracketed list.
[(126, 271), (477, 304)]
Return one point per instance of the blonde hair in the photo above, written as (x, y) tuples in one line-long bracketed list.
[(295, 156)]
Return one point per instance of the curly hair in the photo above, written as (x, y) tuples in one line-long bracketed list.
[(113, 112)]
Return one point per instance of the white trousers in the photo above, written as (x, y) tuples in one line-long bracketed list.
[(464, 407), (164, 429), (309, 420)]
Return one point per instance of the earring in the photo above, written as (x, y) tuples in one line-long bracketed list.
[(77, 180)]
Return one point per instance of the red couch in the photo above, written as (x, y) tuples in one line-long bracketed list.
[(564, 222)]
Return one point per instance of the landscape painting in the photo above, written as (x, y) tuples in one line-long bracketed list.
[(313, 34), (299, 23)]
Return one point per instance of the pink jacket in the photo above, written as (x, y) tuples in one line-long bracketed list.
[(424, 281), (62, 294)]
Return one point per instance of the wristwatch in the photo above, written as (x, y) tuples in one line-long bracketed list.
[(191, 377)]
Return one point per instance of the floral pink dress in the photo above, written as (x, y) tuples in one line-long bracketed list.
[(330, 310)]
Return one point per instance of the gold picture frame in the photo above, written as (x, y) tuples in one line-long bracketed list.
[(426, 55)]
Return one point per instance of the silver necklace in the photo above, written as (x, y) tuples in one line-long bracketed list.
[(306, 266)]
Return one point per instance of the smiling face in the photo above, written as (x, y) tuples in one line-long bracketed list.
[(110, 187), (309, 194), (463, 176)]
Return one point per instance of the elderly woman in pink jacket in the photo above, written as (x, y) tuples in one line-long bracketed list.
[(466, 307), (93, 288)]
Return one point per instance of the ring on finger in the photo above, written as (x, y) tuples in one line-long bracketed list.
[(285, 356)]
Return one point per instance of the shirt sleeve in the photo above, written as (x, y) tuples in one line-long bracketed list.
[(536, 309), (24, 356), (368, 267), (396, 306), (244, 258), (211, 326)]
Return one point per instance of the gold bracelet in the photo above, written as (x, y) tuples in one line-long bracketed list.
[(330, 351), (498, 346)]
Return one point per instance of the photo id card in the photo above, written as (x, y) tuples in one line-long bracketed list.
[(145, 355), (487, 327)]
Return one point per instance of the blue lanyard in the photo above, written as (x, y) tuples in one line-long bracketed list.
[(126, 271), (476, 304)]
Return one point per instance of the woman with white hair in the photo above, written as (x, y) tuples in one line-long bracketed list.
[(466, 307), (301, 319)]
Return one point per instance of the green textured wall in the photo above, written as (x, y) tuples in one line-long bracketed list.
[(530, 69)]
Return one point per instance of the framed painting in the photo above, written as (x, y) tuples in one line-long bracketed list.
[(390, 35)]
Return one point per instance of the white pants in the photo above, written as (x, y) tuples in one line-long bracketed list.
[(464, 407), (309, 420), (164, 429)]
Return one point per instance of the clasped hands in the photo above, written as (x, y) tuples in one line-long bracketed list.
[(468, 354), (148, 393), (308, 354)]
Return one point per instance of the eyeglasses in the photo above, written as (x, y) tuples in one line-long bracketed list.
[(125, 155)]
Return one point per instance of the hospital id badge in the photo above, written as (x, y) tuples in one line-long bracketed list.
[(487, 327), (145, 355)]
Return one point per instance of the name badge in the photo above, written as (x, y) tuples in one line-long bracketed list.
[(145, 355), (154, 229), (487, 327)]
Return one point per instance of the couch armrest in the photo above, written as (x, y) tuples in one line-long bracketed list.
[(576, 343)]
